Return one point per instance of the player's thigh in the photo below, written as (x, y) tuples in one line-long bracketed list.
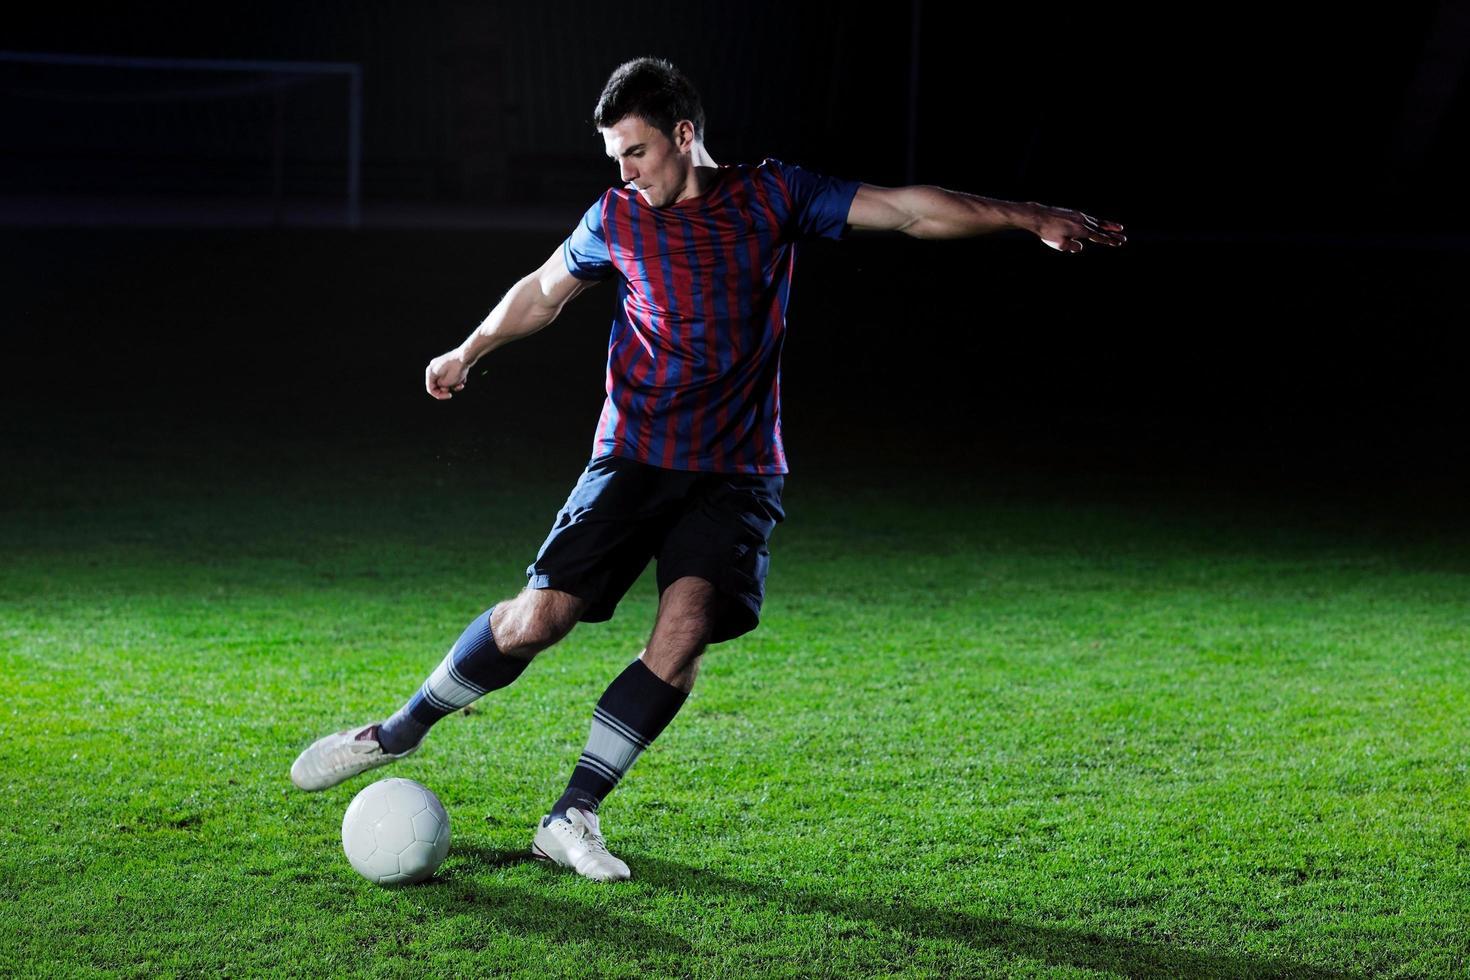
[(723, 539)]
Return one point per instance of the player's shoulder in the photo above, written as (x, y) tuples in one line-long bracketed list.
[(601, 202), (592, 216), (603, 198), (774, 172), (790, 175), (772, 165)]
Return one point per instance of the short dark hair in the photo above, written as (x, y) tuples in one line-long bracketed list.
[(654, 90)]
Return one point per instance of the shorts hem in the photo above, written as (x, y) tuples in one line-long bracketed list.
[(594, 613)]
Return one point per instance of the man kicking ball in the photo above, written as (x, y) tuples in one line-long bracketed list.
[(687, 464)]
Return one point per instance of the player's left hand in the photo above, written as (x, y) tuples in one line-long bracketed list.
[(1065, 230)]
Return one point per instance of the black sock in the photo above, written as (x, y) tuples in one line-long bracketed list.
[(634, 709)]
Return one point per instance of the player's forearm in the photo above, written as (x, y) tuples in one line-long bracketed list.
[(517, 315), (940, 213)]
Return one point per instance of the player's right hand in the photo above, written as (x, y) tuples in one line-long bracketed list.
[(445, 375)]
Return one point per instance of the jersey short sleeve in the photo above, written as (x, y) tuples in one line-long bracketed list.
[(819, 204), (586, 249)]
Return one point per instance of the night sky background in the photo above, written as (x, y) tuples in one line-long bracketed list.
[(1287, 315)]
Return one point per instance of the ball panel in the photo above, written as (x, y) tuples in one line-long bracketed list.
[(380, 866), (441, 842), (358, 841), (372, 803), (407, 797), (394, 832), (426, 825), (417, 860), (434, 806)]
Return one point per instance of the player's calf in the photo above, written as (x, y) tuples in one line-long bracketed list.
[(472, 668)]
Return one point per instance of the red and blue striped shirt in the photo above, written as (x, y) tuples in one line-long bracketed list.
[(694, 356)]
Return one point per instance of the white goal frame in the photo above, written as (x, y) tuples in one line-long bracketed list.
[(351, 70)]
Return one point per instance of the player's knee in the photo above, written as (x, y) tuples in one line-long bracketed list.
[(536, 619), (683, 633), (689, 604)]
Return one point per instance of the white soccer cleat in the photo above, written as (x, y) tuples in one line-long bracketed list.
[(575, 842), (341, 755)]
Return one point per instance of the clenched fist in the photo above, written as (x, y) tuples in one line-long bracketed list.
[(446, 374)]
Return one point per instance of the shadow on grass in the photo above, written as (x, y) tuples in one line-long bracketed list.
[(465, 889), (1053, 946)]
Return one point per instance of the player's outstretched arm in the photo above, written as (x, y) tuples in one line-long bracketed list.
[(530, 305), (926, 211)]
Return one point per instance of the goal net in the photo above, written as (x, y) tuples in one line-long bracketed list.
[(91, 139)]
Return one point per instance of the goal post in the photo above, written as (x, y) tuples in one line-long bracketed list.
[(40, 88)]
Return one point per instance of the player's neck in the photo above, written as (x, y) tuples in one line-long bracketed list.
[(700, 157), (702, 179)]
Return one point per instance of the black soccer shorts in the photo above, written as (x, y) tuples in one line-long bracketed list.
[(624, 512)]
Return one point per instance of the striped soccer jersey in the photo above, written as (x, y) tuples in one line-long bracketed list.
[(694, 355)]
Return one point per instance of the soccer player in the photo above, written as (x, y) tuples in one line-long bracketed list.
[(687, 464)]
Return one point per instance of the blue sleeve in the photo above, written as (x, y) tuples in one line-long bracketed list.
[(819, 204), (586, 247)]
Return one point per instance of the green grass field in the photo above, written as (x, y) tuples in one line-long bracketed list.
[(988, 727)]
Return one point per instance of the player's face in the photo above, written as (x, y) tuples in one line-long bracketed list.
[(650, 162)]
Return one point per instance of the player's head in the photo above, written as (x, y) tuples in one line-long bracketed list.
[(651, 121), (653, 89)]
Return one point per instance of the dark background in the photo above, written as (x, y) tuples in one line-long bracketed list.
[(1286, 314)]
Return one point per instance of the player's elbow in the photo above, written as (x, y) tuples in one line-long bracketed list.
[(553, 285), (932, 212), (542, 299)]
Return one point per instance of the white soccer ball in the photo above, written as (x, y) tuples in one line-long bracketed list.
[(395, 832)]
